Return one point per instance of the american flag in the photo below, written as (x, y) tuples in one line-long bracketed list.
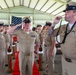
[(16, 20)]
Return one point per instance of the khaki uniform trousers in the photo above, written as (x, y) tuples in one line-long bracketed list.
[(68, 68), (26, 63), (6, 55), (49, 61), (2, 58)]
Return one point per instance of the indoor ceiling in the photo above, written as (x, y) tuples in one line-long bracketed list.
[(54, 7)]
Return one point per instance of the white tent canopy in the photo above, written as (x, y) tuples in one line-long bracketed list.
[(54, 7), (40, 10)]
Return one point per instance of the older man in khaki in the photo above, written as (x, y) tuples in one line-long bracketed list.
[(27, 39), (2, 50), (67, 39)]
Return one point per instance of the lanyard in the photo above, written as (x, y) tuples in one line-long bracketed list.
[(66, 33)]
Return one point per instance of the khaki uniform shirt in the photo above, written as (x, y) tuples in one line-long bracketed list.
[(39, 36), (2, 42), (47, 39), (26, 41), (42, 35), (7, 39), (69, 47)]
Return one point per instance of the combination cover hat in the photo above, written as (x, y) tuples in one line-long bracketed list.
[(26, 20), (70, 6), (48, 23)]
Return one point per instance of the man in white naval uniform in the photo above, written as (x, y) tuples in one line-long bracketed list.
[(67, 34), (27, 39)]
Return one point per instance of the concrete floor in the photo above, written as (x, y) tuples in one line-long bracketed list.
[(6, 68), (57, 70)]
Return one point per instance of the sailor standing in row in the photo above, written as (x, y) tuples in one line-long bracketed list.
[(7, 40), (67, 39), (48, 50), (27, 39), (2, 50)]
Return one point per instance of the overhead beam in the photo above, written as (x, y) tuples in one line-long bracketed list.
[(51, 6), (34, 19), (44, 5), (13, 3), (60, 1), (63, 15), (22, 2), (56, 9), (58, 13), (23, 13), (1, 7), (36, 4), (29, 3), (6, 3)]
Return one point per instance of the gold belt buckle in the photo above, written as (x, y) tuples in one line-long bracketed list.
[(27, 54), (45, 45)]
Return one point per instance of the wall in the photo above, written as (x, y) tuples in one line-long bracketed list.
[(38, 17)]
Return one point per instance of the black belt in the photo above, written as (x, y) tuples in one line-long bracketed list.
[(45, 45), (68, 60)]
